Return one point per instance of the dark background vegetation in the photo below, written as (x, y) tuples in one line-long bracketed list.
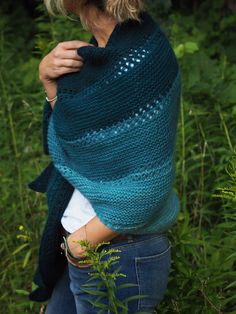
[(203, 35)]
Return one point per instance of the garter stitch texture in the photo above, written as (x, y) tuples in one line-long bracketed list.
[(112, 135)]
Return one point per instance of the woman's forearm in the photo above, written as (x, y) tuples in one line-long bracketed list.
[(50, 88), (96, 232)]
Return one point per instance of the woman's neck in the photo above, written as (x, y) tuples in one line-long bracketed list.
[(101, 25), (102, 34)]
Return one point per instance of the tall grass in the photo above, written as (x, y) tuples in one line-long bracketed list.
[(203, 276)]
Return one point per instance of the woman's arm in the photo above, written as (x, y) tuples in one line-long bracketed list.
[(96, 232), (61, 60), (50, 88)]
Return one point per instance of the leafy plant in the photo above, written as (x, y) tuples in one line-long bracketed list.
[(107, 279), (230, 191)]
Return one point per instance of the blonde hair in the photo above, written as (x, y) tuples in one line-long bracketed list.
[(121, 10)]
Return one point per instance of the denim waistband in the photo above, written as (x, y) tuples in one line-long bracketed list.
[(130, 236), (133, 237)]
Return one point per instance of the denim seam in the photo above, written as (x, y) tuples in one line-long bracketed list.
[(139, 288), (145, 258), (137, 259)]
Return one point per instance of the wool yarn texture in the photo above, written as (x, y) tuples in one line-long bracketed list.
[(113, 130)]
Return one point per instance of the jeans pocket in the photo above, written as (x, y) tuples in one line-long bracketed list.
[(152, 276)]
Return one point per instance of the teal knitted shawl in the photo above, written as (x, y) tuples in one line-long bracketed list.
[(112, 132), (112, 135)]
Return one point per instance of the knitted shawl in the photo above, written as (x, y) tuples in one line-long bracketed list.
[(112, 135)]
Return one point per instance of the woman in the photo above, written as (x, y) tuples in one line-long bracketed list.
[(109, 125)]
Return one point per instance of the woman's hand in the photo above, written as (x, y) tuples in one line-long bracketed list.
[(96, 232), (75, 248), (74, 245), (73, 242), (61, 60)]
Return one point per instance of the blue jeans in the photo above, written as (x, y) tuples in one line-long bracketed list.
[(145, 260)]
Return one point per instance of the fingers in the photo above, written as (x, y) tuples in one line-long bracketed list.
[(73, 44), (67, 54), (68, 49), (65, 70), (70, 63), (76, 264), (62, 59)]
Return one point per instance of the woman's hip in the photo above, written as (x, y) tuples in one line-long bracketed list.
[(144, 261)]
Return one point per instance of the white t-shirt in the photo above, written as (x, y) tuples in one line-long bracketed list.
[(77, 213)]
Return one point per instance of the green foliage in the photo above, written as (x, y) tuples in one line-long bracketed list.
[(203, 276), (230, 191), (182, 49), (107, 279)]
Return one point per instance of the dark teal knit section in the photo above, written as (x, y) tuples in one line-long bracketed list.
[(112, 133)]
